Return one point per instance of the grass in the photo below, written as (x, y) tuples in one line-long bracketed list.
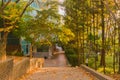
[(108, 61), (72, 58)]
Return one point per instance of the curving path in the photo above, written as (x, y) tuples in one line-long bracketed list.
[(56, 69)]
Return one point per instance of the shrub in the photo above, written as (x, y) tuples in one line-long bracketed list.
[(71, 56), (107, 70)]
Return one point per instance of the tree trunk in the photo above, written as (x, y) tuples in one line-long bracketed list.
[(3, 46), (114, 55), (53, 48), (102, 62), (78, 48), (31, 50), (83, 46), (119, 46)]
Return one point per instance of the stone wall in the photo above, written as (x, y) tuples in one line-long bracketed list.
[(21, 68), (36, 63), (33, 63), (6, 69), (13, 71)]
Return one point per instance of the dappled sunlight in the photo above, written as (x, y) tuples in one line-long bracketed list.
[(55, 39)]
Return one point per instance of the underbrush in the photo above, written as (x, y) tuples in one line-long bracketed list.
[(72, 57)]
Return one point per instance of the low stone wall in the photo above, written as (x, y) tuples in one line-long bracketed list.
[(33, 63), (13, 71), (20, 68), (96, 74), (40, 62), (6, 68)]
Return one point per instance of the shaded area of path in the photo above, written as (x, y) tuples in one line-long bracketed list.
[(59, 61), (56, 69)]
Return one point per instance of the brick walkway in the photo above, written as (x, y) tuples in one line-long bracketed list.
[(56, 69)]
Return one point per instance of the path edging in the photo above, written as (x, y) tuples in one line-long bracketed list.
[(96, 74)]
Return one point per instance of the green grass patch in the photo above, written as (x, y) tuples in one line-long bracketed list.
[(109, 64)]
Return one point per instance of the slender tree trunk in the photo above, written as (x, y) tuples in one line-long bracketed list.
[(83, 41), (94, 47), (114, 54), (114, 51), (119, 46), (102, 62), (78, 51), (97, 46), (3, 46), (80, 48), (53, 48), (31, 50), (83, 45)]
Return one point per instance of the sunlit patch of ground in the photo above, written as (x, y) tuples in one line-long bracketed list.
[(59, 73), (115, 76), (56, 69)]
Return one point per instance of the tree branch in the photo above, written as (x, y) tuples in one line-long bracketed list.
[(27, 5), (4, 6), (2, 3), (17, 1), (117, 5), (112, 14)]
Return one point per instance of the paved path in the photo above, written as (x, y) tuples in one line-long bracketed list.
[(60, 73), (59, 61), (55, 69)]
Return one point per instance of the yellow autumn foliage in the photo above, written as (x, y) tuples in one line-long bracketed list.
[(1, 29), (11, 15), (108, 70), (66, 35)]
